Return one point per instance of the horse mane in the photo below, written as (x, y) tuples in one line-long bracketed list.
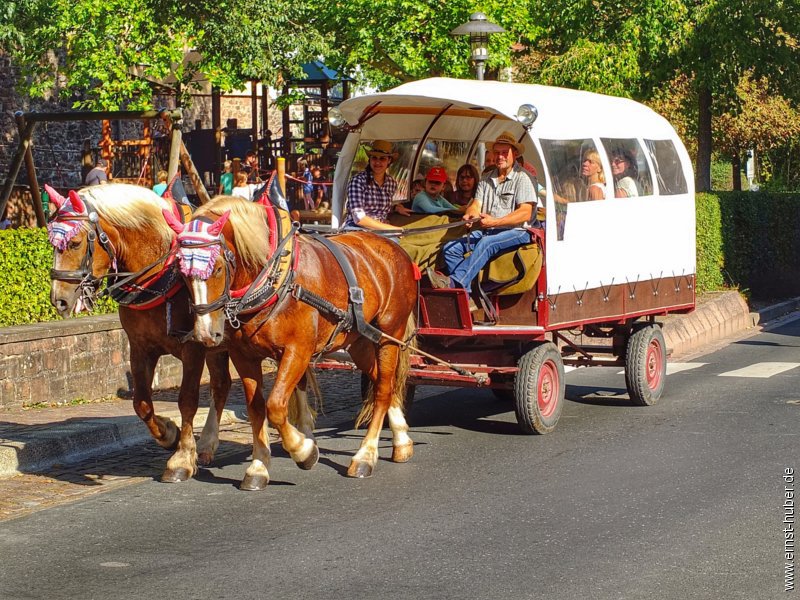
[(130, 207), (249, 220)]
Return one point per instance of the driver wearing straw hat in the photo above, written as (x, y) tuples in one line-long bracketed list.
[(504, 204), (370, 192)]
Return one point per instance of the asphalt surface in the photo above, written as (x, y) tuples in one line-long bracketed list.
[(679, 500)]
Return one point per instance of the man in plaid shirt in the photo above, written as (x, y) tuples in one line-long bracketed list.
[(370, 192)]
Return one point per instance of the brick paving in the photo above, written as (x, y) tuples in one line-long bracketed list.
[(25, 493)]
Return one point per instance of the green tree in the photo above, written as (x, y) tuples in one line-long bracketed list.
[(105, 55), (632, 48), (395, 41), (762, 122)]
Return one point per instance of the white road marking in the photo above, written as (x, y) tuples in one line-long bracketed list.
[(762, 370), (678, 367)]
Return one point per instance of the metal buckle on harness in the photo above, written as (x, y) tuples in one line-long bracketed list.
[(231, 314), (356, 295)]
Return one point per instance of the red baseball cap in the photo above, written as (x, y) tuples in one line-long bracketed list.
[(437, 174)]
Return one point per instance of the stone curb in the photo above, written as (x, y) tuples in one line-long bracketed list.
[(72, 441), (727, 313)]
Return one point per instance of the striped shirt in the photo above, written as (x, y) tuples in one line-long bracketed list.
[(365, 198)]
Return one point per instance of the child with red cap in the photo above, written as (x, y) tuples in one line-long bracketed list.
[(431, 199)]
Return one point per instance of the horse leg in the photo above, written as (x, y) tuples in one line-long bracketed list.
[(183, 464), (256, 476), (220, 387), (143, 365), (364, 355), (303, 449), (381, 372)]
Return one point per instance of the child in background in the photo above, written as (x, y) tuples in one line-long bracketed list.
[(308, 188), (431, 200), (226, 179)]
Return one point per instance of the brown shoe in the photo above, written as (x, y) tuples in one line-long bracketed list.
[(439, 281)]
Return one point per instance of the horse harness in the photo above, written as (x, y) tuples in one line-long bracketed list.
[(276, 281), (126, 291)]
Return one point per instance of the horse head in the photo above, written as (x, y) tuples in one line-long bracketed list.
[(207, 264), (78, 261)]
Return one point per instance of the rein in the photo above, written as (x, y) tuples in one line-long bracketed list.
[(420, 230)]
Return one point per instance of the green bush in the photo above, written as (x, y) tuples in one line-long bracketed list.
[(710, 257), (750, 241), (25, 261)]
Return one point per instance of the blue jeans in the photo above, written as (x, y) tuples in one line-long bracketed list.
[(485, 245)]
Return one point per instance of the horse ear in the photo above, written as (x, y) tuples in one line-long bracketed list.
[(76, 201), (55, 197), (172, 221), (217, 225)]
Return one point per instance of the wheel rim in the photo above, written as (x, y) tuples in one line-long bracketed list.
[(547, 389), (653, 362)]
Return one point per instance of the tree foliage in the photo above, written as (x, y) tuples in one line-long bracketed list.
[(395, 41), (106, 55)]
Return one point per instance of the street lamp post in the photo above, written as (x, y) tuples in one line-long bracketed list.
[(478, 29)]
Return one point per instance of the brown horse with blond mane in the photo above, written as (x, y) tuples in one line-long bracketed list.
[(307, 310), (117, 232)]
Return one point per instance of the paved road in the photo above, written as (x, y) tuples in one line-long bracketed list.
[(680, 500)]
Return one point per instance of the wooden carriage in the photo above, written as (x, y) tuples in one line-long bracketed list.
[(609, 267)]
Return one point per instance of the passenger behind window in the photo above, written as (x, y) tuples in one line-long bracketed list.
[(625, 172), (431, 200), (592, 172), (466, 183)]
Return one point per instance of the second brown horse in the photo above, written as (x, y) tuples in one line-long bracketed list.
[(225, 249)]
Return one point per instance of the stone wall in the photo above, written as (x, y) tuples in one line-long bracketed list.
[(62, 361)]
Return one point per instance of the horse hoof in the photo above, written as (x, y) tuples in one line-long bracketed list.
[(254, 483), (311, 460), (205, 458), (176, 475), (361, 470), (401, 454)]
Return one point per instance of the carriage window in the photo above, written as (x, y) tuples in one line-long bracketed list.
[(668, 168), (450, 155), (629, 168), (576, 175)]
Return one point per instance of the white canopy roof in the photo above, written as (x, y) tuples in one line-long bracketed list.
[(563, 113)]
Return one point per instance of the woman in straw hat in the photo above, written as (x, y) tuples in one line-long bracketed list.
[(370, 192)]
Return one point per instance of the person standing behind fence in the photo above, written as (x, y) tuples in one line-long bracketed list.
[(308, 187), (226, 179), (161, 187), (98, 173)]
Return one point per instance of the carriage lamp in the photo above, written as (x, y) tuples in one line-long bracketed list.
[(527, 114), (336, 117), (478, 28)]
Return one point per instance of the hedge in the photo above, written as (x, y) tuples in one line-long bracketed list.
[(750, 241), (25, 261), (745, 240)]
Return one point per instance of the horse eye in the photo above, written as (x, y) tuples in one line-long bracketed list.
[(74, 244), (217, 271)]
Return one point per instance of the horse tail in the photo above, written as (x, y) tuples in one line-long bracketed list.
[(400, 377), (301, 414)]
